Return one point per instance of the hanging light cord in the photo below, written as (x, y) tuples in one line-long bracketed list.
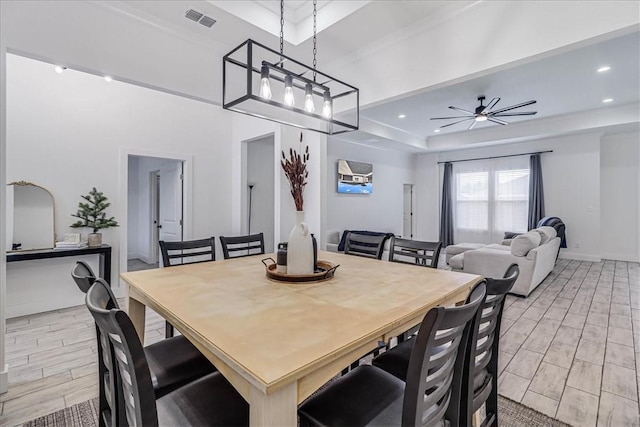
[(315, 41), (281, 31)]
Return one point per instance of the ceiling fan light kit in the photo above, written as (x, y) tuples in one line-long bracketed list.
[(485, 113), (265, 83)]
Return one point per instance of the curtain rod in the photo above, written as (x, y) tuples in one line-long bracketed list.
[(496, 157)]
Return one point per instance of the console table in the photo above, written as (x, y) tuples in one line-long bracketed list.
[(103, 251)]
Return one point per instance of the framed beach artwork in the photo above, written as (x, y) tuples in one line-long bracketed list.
[(355, 177)]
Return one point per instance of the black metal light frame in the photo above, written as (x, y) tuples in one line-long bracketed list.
[(343, 95)]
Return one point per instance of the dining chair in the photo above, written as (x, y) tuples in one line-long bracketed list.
[(369, 395), (364, 245), (210, 400), (480, 385), (414, 252), (239, 246), (83, 275), (173, 362), (186, 252)]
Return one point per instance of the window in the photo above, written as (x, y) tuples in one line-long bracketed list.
[(491, 197)]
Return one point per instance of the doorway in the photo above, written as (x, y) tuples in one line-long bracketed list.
[(155, 208), (407, 211), (258, 193)]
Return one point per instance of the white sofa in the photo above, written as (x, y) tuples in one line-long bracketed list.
[(536, 257)]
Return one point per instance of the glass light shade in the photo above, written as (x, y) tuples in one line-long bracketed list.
[(265, 86), (326, 105), (308, 99), (481, 118), (289, 100)]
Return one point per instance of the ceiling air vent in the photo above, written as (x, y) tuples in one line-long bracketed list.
[(207, 22), (200, 18)]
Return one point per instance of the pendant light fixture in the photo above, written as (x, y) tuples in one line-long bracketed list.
[(262, 82)]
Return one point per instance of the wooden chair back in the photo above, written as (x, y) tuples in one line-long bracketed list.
[(416, 252), (239, 246)]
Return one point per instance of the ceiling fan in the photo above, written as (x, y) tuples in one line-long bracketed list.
[(484, 113)]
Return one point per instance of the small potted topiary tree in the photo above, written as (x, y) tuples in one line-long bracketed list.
[(92, 215)]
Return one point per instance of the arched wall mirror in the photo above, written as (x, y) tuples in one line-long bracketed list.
[(30, 217)]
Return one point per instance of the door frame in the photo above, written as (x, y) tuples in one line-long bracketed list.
[(154, 182), (187, 192)]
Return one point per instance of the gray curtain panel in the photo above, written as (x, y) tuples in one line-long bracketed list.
[(536, 191), (446, 214)]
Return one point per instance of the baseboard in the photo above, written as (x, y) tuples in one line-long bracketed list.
[(4, 379), (579, 257), (133, 255), (620, 257)]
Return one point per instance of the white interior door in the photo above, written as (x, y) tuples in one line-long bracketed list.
[(171, 201), (407, 212)]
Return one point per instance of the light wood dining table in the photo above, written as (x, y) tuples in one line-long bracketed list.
[(278, 342)]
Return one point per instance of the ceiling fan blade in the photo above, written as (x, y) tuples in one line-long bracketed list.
[(523, 104), (454, 117), (455, 123), (494, 120), (524, 113), (492, 104), (472, 125), (464, 111)]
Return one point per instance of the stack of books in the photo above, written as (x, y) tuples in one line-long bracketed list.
[(70, 245), (71, 241)]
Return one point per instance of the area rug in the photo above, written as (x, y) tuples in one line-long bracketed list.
[(85, 414)]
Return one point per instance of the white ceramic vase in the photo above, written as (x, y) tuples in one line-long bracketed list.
[(300, 248)]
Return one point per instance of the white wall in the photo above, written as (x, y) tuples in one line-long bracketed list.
[(382, 209), (71, 140), (579, 188), (619, 189)]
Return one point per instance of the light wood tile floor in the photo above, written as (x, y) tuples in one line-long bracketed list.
[(52, 361), (570, 350)]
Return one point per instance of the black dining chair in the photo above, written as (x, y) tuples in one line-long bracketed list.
[(240, 246), (173, 362), (364, 245), (209, 401), (368, 395), (414, 252), (83, 275), (186, 252), (480, 385)]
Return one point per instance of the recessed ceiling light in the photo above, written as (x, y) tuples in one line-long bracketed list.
[(59, 69), (437, 130), (604, 68), (401, 116), (606, 100), (108, 79)]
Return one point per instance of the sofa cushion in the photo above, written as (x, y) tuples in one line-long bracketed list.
[(523, 243), (457, 261), (546, 234)]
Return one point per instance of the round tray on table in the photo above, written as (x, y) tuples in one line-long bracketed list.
[(324, 271)]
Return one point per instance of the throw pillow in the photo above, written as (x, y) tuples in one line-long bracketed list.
[(523, 243), (549, 231)]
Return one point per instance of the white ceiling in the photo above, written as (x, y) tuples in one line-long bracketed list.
[(564, 83), (561, 84)]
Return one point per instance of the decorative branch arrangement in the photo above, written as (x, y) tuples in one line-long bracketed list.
[(295, 169), (92, 213)]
